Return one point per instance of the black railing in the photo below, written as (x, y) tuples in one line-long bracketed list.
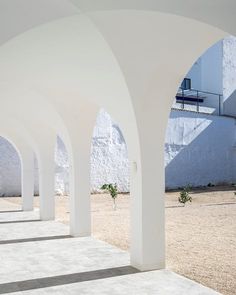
[(205, 101)]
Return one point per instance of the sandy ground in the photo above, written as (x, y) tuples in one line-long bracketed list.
[(200, 237)]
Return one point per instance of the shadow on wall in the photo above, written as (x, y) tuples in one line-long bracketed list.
[(109, 155), (10, 169), (61, 168), (199, 150), (229, 105)]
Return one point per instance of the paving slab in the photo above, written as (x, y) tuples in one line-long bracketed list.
[(39, 257)]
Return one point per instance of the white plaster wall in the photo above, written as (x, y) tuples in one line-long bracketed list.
[(109, 161), (61, 168), (109, 158), (195, 75), (215, 71), (199, 149), (229, 66), (206, 74), (229, 76), (211, 69), (10, 172)]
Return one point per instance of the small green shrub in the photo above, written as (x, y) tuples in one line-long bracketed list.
[(112, 190), (234, 185), (184, 196)]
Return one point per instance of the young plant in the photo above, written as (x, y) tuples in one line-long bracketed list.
[(234, 185), (184, 195), (112, 190)]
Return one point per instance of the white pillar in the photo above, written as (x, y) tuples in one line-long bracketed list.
[(47, 182), (81, 133), (27, 180), (147, 201), (80, 215)]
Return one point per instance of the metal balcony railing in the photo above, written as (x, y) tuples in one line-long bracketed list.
[(198, 101)]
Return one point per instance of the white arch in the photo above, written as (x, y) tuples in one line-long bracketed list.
[(26, 156), (29, 144), (154, 63), (131, 62)]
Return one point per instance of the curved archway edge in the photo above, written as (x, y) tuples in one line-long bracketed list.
[(132, 68)]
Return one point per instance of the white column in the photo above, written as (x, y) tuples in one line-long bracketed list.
[(27, 180), (147, 219), (47, 182), (81, 133), (147, 200), (80, 215)]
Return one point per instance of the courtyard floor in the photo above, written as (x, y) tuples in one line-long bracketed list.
[(201, 237), (40, 257)]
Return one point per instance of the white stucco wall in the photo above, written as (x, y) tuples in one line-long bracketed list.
[(206, 72), (109, 157), (215, 71), (10, 171), (211, 69), (229, 76), (190, 138), (199, 149), (229, 66), (61, 168)]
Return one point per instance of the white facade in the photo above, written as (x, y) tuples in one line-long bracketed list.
[(206, 72), (229, 76), (193, 152), (109, 161), (10, 170), (109, 158), (214, 71), (199, 149), (66, 59), (109, 155)]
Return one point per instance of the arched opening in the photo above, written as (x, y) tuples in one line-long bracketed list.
[(10, 173), (57, 198), (51, 74), (110, 165), (19, 175), (62, 211), (22, 167), (199, 152)]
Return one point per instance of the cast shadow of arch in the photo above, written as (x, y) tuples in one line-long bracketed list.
[(205, 157), (229, 105)]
